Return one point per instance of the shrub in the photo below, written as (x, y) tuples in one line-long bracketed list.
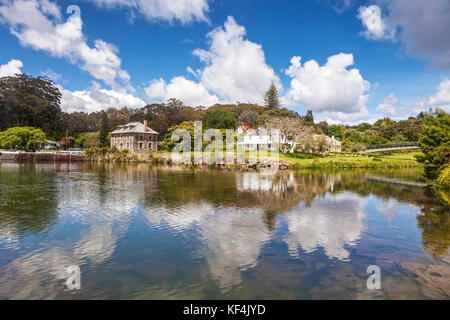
[(444, 177), (22, 138)]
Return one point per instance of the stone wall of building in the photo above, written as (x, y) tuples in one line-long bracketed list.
[(135, 142)]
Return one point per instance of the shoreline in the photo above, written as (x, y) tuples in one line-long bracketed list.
[(285, 161)]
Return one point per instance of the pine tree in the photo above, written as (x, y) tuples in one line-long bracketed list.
[(309, 116), (271, 99), (104, 130)]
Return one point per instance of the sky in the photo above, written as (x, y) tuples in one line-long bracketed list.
[(347, 60)]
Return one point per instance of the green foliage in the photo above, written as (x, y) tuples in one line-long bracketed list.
[(81, 139), (363, 126), (336, 130), (110, 154), (309, 116), (93, 140), (444, 178), (323, 125), (435, 143), (271, 99), (167, 144), (219, 119), (249, 117), (22, 138), (104, 130), (28, 101)]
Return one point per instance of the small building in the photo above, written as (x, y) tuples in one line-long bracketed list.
[(334, 145), (136, 137), (258, 139), (50, 145)]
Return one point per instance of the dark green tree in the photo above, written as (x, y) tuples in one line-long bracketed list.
[(309, 116), (435, 143), (219, 119), (104, 130), (29, 101), (271, 99), (336, 130)]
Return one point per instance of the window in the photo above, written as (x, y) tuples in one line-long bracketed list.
[(140, 145), (128, 145), (150, 145)]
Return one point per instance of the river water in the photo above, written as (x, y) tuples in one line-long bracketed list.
[(143, 232)]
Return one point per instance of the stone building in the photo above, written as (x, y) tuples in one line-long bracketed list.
[(136, 137)]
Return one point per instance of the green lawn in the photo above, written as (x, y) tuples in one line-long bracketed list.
[(356, 160)]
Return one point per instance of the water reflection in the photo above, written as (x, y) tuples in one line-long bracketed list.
[(332, 224), (230, 224)]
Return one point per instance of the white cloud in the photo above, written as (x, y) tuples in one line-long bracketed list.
[(38, 24), (52, 75), (316, 226), (191, 93), (440, 99), (328, 88), (236, 68), (338, 117), (96, 99), (11, 68), (389, 107), (424, 28), (375, 24), (166, 10)]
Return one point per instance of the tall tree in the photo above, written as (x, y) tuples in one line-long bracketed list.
[(435, 143), (271, 99), (29, 101), (309, 116), (104, 129)]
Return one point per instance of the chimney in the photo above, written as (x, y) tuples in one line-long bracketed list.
[(145, 125)]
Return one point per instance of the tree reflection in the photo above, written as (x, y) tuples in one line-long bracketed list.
[(28, 198)]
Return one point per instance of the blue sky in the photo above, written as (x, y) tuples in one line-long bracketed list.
[(385, 58)]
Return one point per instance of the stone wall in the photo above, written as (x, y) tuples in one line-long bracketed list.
[(136, 142)]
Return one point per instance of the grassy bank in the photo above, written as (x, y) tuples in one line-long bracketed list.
[(354, 160)]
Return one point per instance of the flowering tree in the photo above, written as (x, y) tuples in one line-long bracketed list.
[(293, 130)]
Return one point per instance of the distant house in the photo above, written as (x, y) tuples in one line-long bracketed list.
[(50, 145), (136, 137), (257, 139), (335, 145)]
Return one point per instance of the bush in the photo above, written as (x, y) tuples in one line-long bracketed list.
[(444, 178), (219, 119), (22, 138)]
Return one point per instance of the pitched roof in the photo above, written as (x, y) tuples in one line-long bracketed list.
[(133, 127)]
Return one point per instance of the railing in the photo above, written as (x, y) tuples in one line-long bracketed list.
[(393, 145)]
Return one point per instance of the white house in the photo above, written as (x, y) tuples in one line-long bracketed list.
[(335, 145), (258, 139), (50, 145)]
